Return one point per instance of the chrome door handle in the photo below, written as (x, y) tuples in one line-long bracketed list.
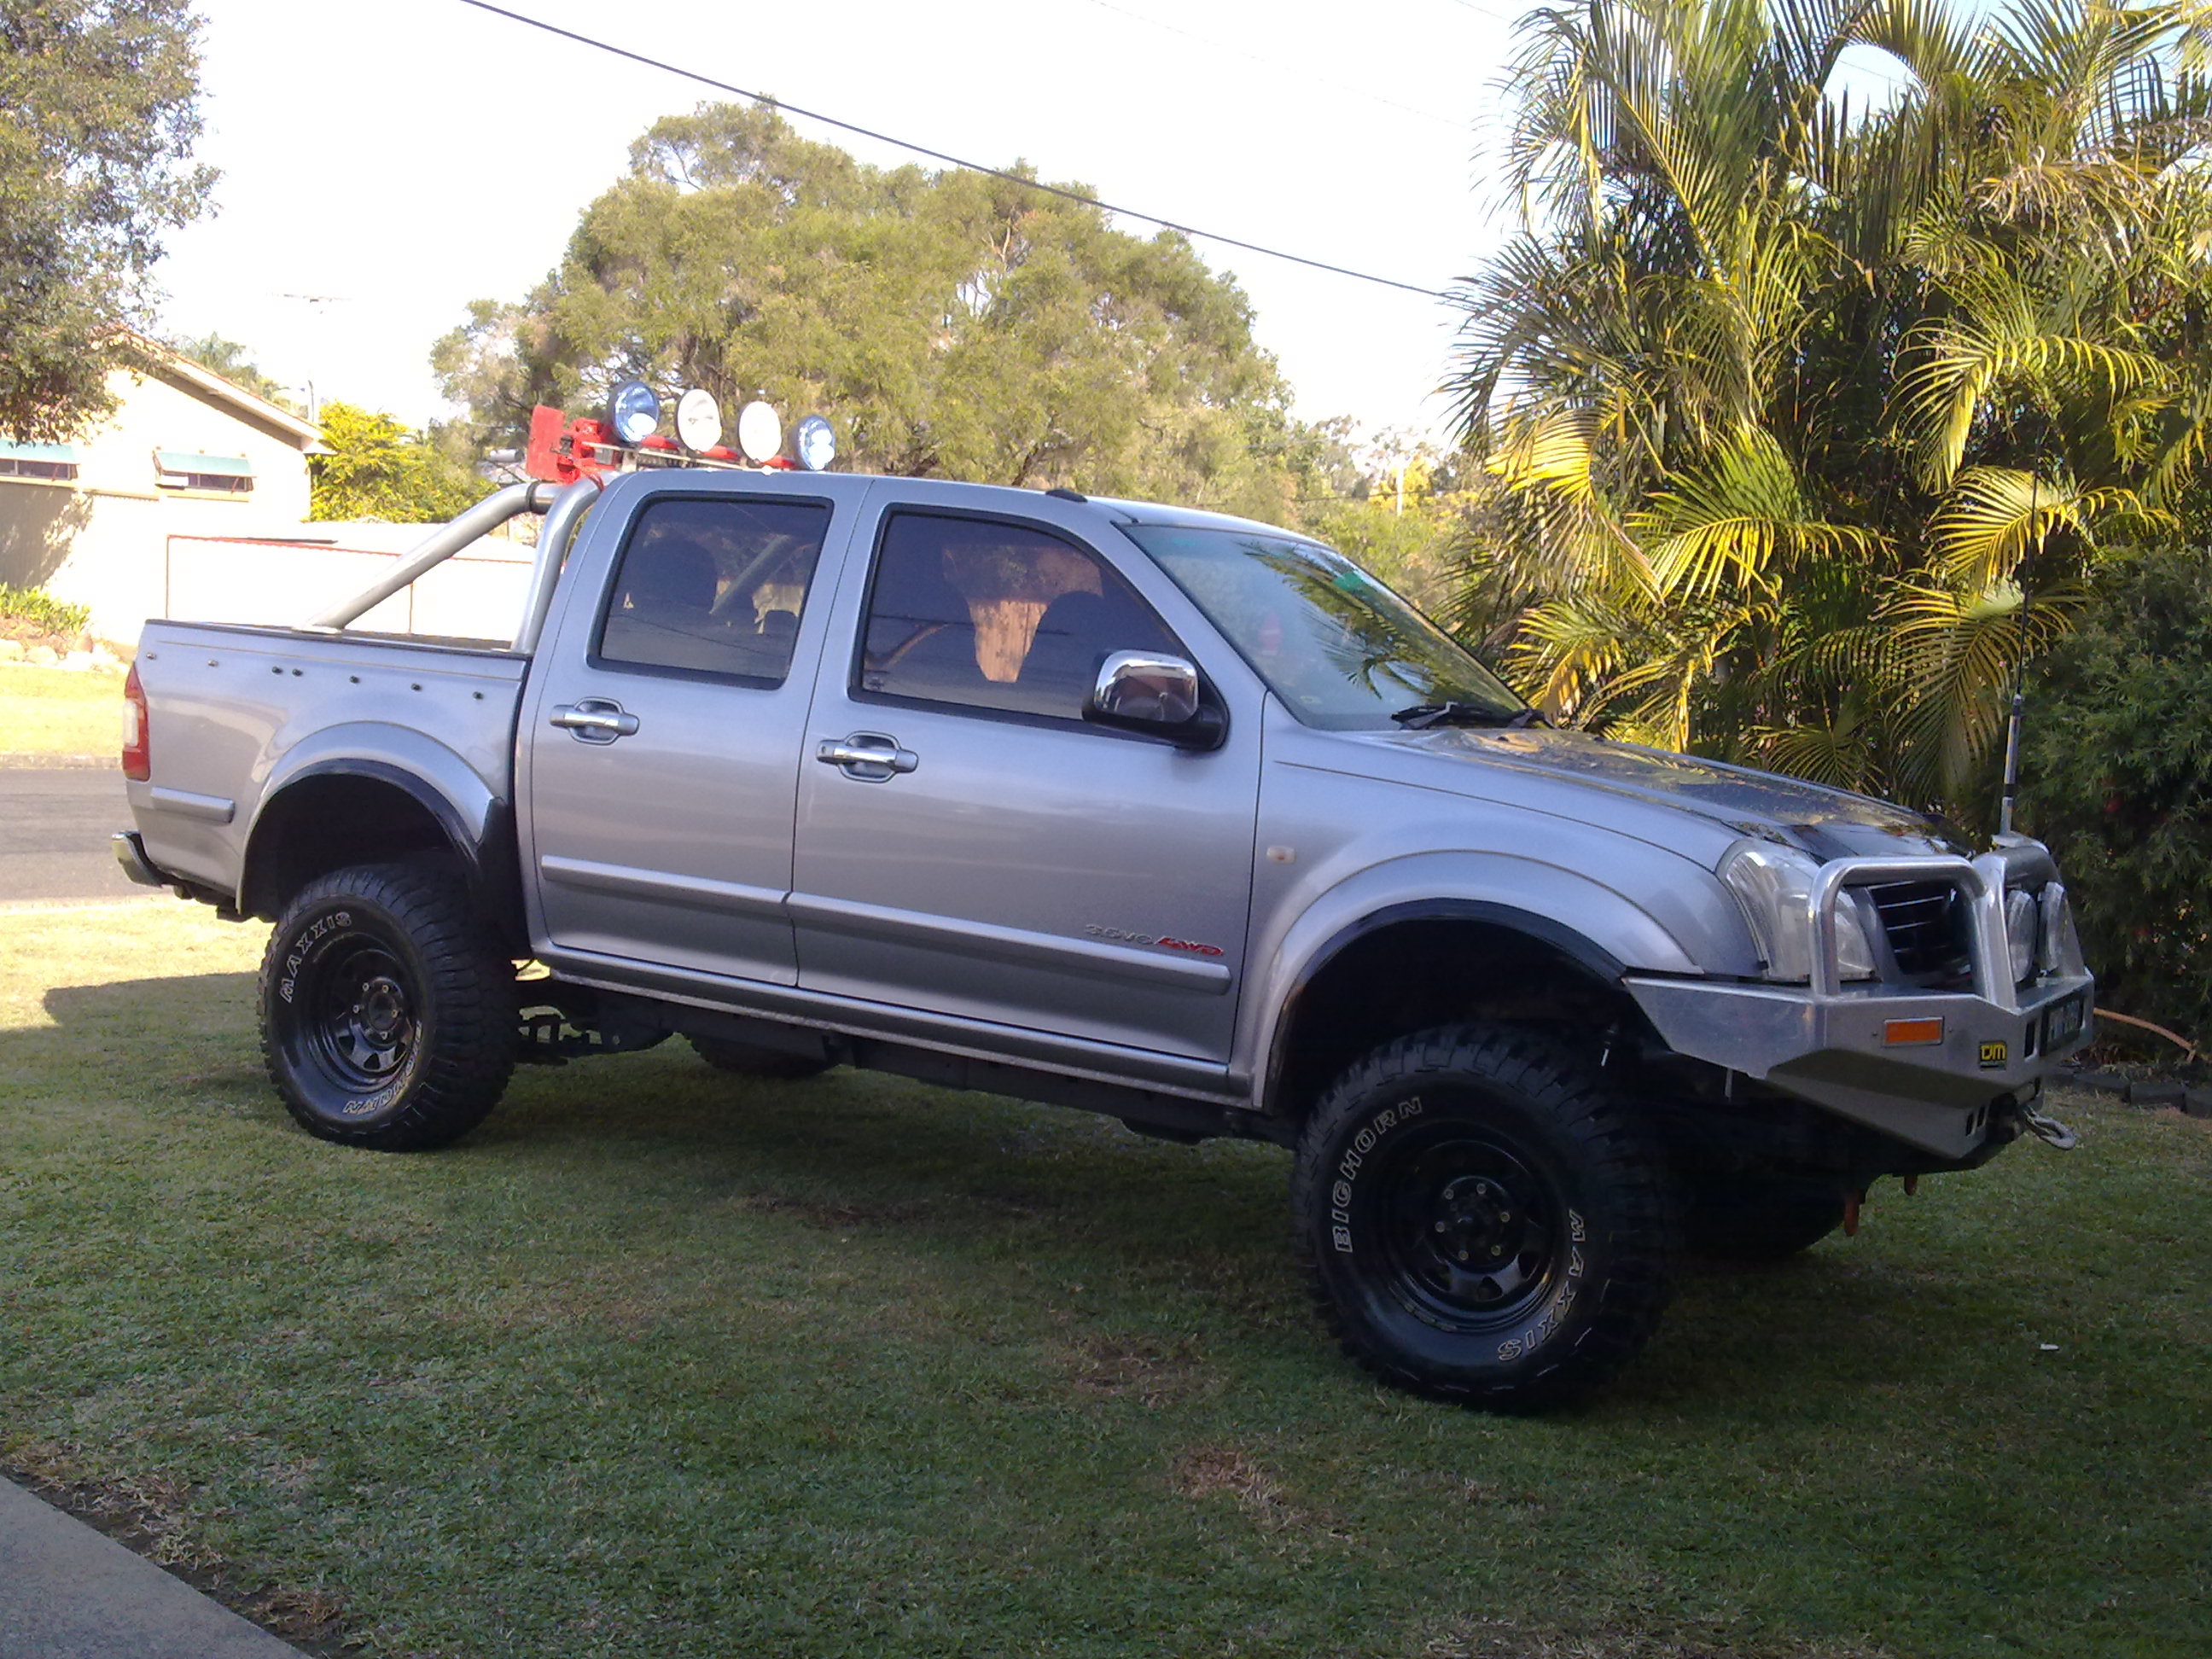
[(594, 719), (868, 756)]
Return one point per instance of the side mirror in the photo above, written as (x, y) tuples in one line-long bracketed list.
[(1145, 691)]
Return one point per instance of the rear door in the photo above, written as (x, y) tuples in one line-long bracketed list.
[(966, 845), (660, 749)]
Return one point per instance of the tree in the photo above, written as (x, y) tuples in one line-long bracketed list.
[(2118, 778), (234, 363), (1400, 508), (950, 323), (1777, 394), (378, 469), (98, 117)]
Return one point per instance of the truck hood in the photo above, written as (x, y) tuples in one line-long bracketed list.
[(1649, 789)]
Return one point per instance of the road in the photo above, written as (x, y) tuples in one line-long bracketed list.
[(54, 826)]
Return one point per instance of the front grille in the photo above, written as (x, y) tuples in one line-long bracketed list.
[(1926, 922)]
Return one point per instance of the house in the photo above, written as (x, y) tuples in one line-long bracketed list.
[(186, 453)]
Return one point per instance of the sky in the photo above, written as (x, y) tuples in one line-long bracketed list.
[(385, 164)]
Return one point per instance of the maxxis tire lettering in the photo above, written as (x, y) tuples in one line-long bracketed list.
[(336, 919)]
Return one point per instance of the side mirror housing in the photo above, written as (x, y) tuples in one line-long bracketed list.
[(1157, 695)]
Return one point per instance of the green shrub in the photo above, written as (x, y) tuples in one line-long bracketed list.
[(43, 611), (2117, 776)]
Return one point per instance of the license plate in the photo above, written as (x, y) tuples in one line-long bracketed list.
[(2063, 1024)]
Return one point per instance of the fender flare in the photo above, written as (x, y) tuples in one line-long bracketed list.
[(1601, 931), (476, 823), (1601, 963)]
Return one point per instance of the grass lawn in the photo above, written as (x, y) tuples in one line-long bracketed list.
[(660, 1363), (50, 711)]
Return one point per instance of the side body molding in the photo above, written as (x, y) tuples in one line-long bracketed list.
[(1598, 926)]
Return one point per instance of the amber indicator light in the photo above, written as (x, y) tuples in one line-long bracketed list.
[(1897, 1033)]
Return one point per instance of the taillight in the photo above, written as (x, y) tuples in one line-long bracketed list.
[(137, 745)]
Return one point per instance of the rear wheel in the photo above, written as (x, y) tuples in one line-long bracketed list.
[(388, 1012), (748, 1060), (1480, 1221)]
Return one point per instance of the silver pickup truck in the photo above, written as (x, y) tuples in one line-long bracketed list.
[(1173, 817)]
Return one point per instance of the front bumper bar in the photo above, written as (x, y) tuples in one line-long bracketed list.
[(1938, 1087)]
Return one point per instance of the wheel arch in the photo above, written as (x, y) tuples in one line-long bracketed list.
[(335, 809), (1528, 944)]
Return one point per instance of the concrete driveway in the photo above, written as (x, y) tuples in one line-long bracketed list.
[(54, 825)]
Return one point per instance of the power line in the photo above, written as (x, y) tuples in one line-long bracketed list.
[(1494, 17), (777, 104)]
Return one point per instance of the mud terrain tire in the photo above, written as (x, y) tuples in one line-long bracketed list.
[(1480, 1221), (388, 1012)]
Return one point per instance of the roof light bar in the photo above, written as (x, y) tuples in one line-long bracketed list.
[(562, 450)]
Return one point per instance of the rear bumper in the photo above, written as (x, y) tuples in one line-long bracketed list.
[(131, 854), (1943, 1094)]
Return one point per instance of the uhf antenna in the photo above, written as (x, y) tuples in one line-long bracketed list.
[(2020, 668)]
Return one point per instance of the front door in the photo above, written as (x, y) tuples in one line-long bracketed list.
[(662, 742), (966, 845)]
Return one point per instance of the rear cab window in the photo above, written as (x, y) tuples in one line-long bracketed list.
[(713, 587)]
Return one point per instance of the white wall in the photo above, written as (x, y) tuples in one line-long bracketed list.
[(475, 594), (102, 541)]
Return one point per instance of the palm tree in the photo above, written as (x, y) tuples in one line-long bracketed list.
[(1778, 392)]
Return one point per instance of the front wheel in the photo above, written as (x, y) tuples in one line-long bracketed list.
[(1480, 1222), (388, 1012)]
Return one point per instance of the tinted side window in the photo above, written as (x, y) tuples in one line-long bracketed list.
[(996, 615), (714, 586)]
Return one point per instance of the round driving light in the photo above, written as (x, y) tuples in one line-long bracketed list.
[(698, 420), (633, 410), (814, 443), (2023, 924), (2058, 949), (760, 433)]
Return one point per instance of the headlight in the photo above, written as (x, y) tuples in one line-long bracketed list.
[(1774, 885), (2057, 946), (2022, 925)]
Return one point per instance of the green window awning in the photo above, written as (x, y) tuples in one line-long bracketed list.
[(225, 466), (38, 452)]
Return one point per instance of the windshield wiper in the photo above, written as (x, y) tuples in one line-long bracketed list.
[(1422, 715)]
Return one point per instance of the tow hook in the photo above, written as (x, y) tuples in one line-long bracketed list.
[(2048, 1130)]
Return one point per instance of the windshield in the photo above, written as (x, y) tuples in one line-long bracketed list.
[(1342, 651)]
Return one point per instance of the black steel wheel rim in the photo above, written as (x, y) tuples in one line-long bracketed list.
[(1472, 1229), (361, 1019)]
